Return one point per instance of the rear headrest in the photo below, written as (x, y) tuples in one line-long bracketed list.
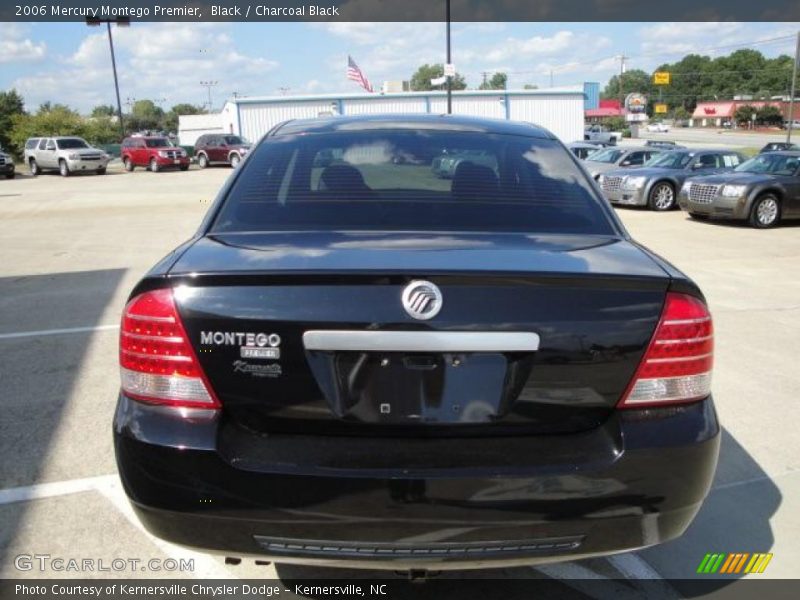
[(342, 178), (474, 182)]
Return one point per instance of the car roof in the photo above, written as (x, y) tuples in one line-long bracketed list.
[(455, 123), (784, 152), (703, 150)]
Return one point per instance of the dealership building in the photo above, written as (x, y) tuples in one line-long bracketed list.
[(561, 110)]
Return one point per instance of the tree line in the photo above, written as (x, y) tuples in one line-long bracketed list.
[(697, 78), (100, 127)]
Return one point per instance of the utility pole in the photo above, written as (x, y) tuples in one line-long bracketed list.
[(449, 79), (791, 119), (622, 60), (208, 85), (484, 73), (121, 22)]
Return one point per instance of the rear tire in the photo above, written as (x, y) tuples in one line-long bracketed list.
[(129, 166), (235, 160), (202, 161), (101, 171), (34, 167), (63, 168), (662, 197), (184, 167), (766, 212), (153, 165), (698, 216), (10, 175)]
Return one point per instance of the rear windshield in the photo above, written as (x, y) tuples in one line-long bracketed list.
[(235, 140), (412, 180), (158, 143)]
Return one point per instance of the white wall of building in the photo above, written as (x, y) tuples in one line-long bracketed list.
[(559, 110), (191, 127)]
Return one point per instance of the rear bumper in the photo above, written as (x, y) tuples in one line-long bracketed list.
[(172, 162), (636, 481)]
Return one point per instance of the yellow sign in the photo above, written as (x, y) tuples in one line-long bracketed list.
[(661, 78), (660, 108)]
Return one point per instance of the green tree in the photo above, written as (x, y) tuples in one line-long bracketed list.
[(145, 115), (421, 80), (103, 110), (499, 81), (744, 113), (634, 80), (769, 115), (11, 105), (49, 120), (170, 122)]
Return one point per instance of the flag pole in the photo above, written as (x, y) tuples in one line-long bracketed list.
[(449, 82)]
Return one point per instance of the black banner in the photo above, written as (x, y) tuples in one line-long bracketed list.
[(442, 587), (401, 10)]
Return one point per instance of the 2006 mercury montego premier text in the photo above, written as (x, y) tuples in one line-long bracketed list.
[(355, 361)]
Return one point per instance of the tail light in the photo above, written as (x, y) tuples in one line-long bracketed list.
[(157, 363), (677, 365)]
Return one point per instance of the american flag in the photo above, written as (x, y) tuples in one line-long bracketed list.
[(354, 73)]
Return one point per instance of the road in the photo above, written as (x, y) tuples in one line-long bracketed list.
[(73, 248), (697, 136)]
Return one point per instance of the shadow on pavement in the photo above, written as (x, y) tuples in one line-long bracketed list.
[(39, 374)]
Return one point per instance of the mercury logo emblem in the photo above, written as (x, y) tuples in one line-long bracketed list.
[(422, 300)]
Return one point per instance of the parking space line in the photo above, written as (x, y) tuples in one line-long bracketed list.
[(56, 488), (24, 334)]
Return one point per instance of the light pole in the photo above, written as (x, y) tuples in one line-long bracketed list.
[(208, 85), (449, 61), (121, 22), (790, 124)]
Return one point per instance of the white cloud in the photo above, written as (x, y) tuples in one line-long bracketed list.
[(158, 61), (15, 47)]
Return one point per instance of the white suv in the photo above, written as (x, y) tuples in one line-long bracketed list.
[(66, 155)]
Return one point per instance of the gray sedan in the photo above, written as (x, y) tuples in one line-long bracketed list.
[(609, 159), (656, 184), (763, 190)]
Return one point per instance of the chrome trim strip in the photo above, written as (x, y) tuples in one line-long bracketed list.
[(687, 321), (420, 341)]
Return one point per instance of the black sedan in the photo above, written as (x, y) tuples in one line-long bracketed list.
[(657, 183), (778, 147), (365, 364), (763, 190)]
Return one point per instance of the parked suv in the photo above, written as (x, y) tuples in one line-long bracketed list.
[(6, 165), (218, 148), (67, 155), (154, 153)]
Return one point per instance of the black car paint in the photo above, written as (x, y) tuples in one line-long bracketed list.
[(356, 492)]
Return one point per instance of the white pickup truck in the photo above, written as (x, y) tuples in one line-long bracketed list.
[(598, 133)]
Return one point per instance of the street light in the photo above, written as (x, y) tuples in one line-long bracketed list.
[(121, 22), (208, 85)]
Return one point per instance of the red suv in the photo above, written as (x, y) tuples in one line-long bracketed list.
[(220, 148), (153, 152)]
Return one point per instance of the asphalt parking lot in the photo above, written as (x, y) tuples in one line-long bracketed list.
[(73, 248)]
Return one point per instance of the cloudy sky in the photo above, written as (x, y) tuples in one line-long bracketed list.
[(70, 62)]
